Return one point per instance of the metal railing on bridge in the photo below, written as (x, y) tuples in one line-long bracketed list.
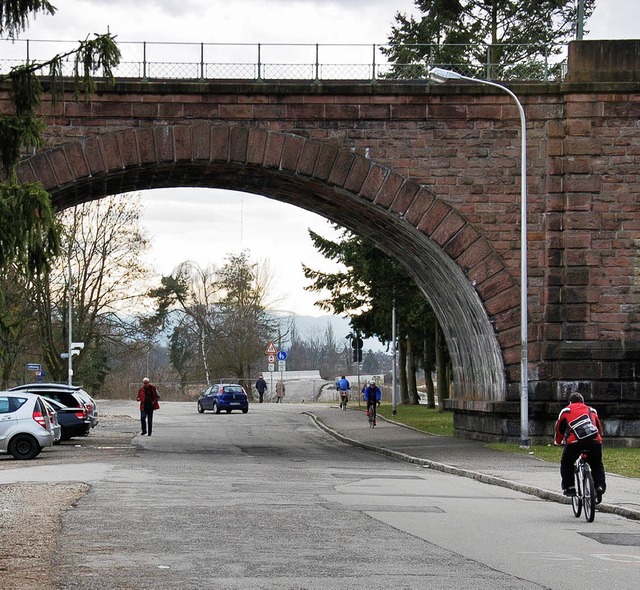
[(147, 60)]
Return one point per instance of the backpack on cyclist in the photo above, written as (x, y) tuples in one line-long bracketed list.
[(583, 427)]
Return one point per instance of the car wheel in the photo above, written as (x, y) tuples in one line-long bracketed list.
[(245, 411), (200, 408), (216, 409), (24, 447), (228, 411)]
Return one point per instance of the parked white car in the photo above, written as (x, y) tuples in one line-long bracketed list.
[(25, 427)]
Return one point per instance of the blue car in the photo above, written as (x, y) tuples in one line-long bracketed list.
[(224, 396)]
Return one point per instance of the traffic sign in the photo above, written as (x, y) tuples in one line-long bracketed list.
[(271, 358), (271, 348), (33, 367), (282, 366), (282, 355), (272, 367)]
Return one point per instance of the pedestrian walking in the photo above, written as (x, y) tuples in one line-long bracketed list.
[(149, 401), (261, 386), (280, 391)]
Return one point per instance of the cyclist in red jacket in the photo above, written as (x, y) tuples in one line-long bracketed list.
[(579, 429)]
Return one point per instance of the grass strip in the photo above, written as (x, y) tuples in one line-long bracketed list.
[(622, 461)]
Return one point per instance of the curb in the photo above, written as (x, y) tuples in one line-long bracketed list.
[(481, 477)]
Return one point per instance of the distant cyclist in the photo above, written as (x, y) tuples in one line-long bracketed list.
[(579, 429), (343, 386), (372, 395)]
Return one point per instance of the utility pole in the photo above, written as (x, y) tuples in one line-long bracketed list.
[(394, 337), (580, 23), (70, 328)]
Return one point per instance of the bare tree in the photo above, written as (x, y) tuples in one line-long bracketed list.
[(186, 302), (101, 271), (223, 313)]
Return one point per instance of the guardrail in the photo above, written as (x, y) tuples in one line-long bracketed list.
[(147, 60)]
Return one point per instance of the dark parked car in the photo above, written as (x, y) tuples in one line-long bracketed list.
[(54, 425), (71, 396), (224, 396), (73, 421)]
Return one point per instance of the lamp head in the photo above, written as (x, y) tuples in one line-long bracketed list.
[(441, 75)]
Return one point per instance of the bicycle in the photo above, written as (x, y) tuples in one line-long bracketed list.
[(585, 496), (372, 414), (344, 398)]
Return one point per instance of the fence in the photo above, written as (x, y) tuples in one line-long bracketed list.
[(148, 60)]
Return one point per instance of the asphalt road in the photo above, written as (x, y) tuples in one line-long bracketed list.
[(267, 500)]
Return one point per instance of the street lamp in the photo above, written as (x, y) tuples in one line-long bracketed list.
[(441, 75)]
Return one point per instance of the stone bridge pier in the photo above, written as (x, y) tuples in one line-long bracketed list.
[(432, 171)]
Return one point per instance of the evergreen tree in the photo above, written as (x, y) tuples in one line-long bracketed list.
[(366, 289), (17, 329), (29, 232), (521, 36)]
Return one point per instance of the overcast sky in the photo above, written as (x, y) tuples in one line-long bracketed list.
[(207, 225)]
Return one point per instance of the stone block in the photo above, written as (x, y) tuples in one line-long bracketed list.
[(389, 189), (308, 157), (291, 151), (325, 161), (341, 167), (201, 134), (451, 224), (358, 174)]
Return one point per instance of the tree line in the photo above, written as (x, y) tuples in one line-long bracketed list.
[(194, 325)]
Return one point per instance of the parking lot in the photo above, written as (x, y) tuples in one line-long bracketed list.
[(30, 513)]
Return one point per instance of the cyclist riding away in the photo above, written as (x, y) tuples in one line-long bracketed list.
[(372, 395), (579, 429), (343, 386)]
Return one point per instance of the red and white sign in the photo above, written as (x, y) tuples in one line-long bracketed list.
[(271, 348), (271, 358)]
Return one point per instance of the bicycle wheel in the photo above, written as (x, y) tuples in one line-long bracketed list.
[(576, 501), (372, 416), (588, 494)]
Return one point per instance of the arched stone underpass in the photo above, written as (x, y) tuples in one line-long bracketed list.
[(474, 298)]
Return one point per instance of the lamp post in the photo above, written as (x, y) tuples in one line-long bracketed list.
[(441, 75)]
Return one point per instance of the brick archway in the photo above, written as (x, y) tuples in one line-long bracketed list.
[(473, 296)]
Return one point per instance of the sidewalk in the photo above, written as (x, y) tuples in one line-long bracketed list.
[(467, 458)]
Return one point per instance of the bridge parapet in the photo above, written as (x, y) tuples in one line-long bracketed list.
[(153, 60)]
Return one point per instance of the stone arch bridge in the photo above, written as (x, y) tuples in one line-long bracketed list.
[(433, 173)]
